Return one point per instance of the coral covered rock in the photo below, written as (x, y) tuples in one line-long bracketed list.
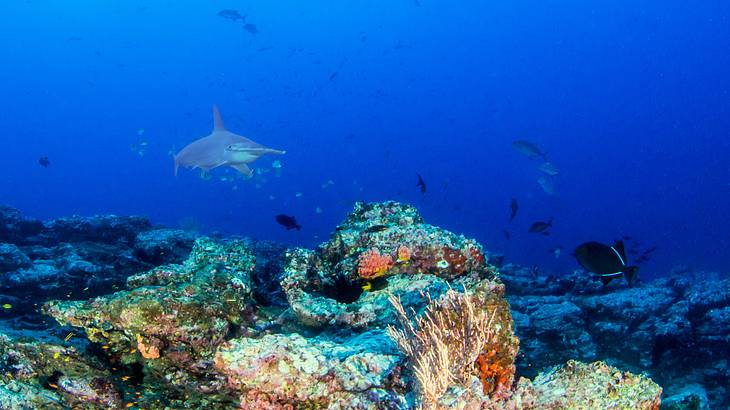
[(173, 317), (382, 245), (47, 376), (215, 332), (161, 246), (279, 370), (12, 258), (594, 386)]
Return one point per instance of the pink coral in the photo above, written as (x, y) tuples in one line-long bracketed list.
[(372, 264)]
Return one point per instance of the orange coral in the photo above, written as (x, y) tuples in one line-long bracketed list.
[(404, 253), (494, 377), (147, 351), (372, 264)]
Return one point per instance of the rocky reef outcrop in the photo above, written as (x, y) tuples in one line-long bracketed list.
[(218, 332), (76, 257), (675, 329)]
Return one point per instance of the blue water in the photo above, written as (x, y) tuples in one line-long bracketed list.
[(631, 100)]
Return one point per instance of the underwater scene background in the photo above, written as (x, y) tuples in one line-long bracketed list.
[(528, 127)]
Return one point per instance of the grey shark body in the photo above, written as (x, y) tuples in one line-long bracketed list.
[(221, 148)]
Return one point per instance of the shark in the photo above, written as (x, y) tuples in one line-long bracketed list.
[(221, 148)]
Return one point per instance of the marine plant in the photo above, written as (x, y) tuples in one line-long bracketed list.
[(446, 342)]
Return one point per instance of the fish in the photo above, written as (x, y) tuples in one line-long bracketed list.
[(421, 184), (513, 207), (288, 222), (506, 234), (231, 14), (541, 227), (334, 75), (557, 251), (549, 168), (608, 262), (547, 184), (529, 149), (44, 162), (376, 228), (7, 306), (375, 284), (221, 148), (251, 28)]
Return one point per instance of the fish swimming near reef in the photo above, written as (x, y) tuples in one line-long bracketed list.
[(288, 222), (529, 149), (231, 15), (608, 262), (221, 148), (421, 184), (513, 207), (547, 184), (549, 168), (251, 28), (541, 227)]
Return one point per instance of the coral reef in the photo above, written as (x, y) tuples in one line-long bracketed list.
[(48, 376), (173, 317), (361, 322), (76, 257), (675, 329)]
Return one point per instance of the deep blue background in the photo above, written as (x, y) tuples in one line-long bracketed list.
[(630, 98)]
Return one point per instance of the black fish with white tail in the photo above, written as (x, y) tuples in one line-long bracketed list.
[(288, 222), (608, 262)]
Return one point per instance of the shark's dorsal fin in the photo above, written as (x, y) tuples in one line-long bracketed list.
[(217, 120)]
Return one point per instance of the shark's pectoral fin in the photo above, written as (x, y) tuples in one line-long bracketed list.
[(242, 168)]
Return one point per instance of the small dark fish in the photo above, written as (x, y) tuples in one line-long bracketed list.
[(251, 28), (421, 184), (231, 14), (541, 227), (44, 162), (267, 48), (334, 75), (376, 228), (626, 237), (649, 251), (288, 222), (609, 262), (513, 207), (506, 234)]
